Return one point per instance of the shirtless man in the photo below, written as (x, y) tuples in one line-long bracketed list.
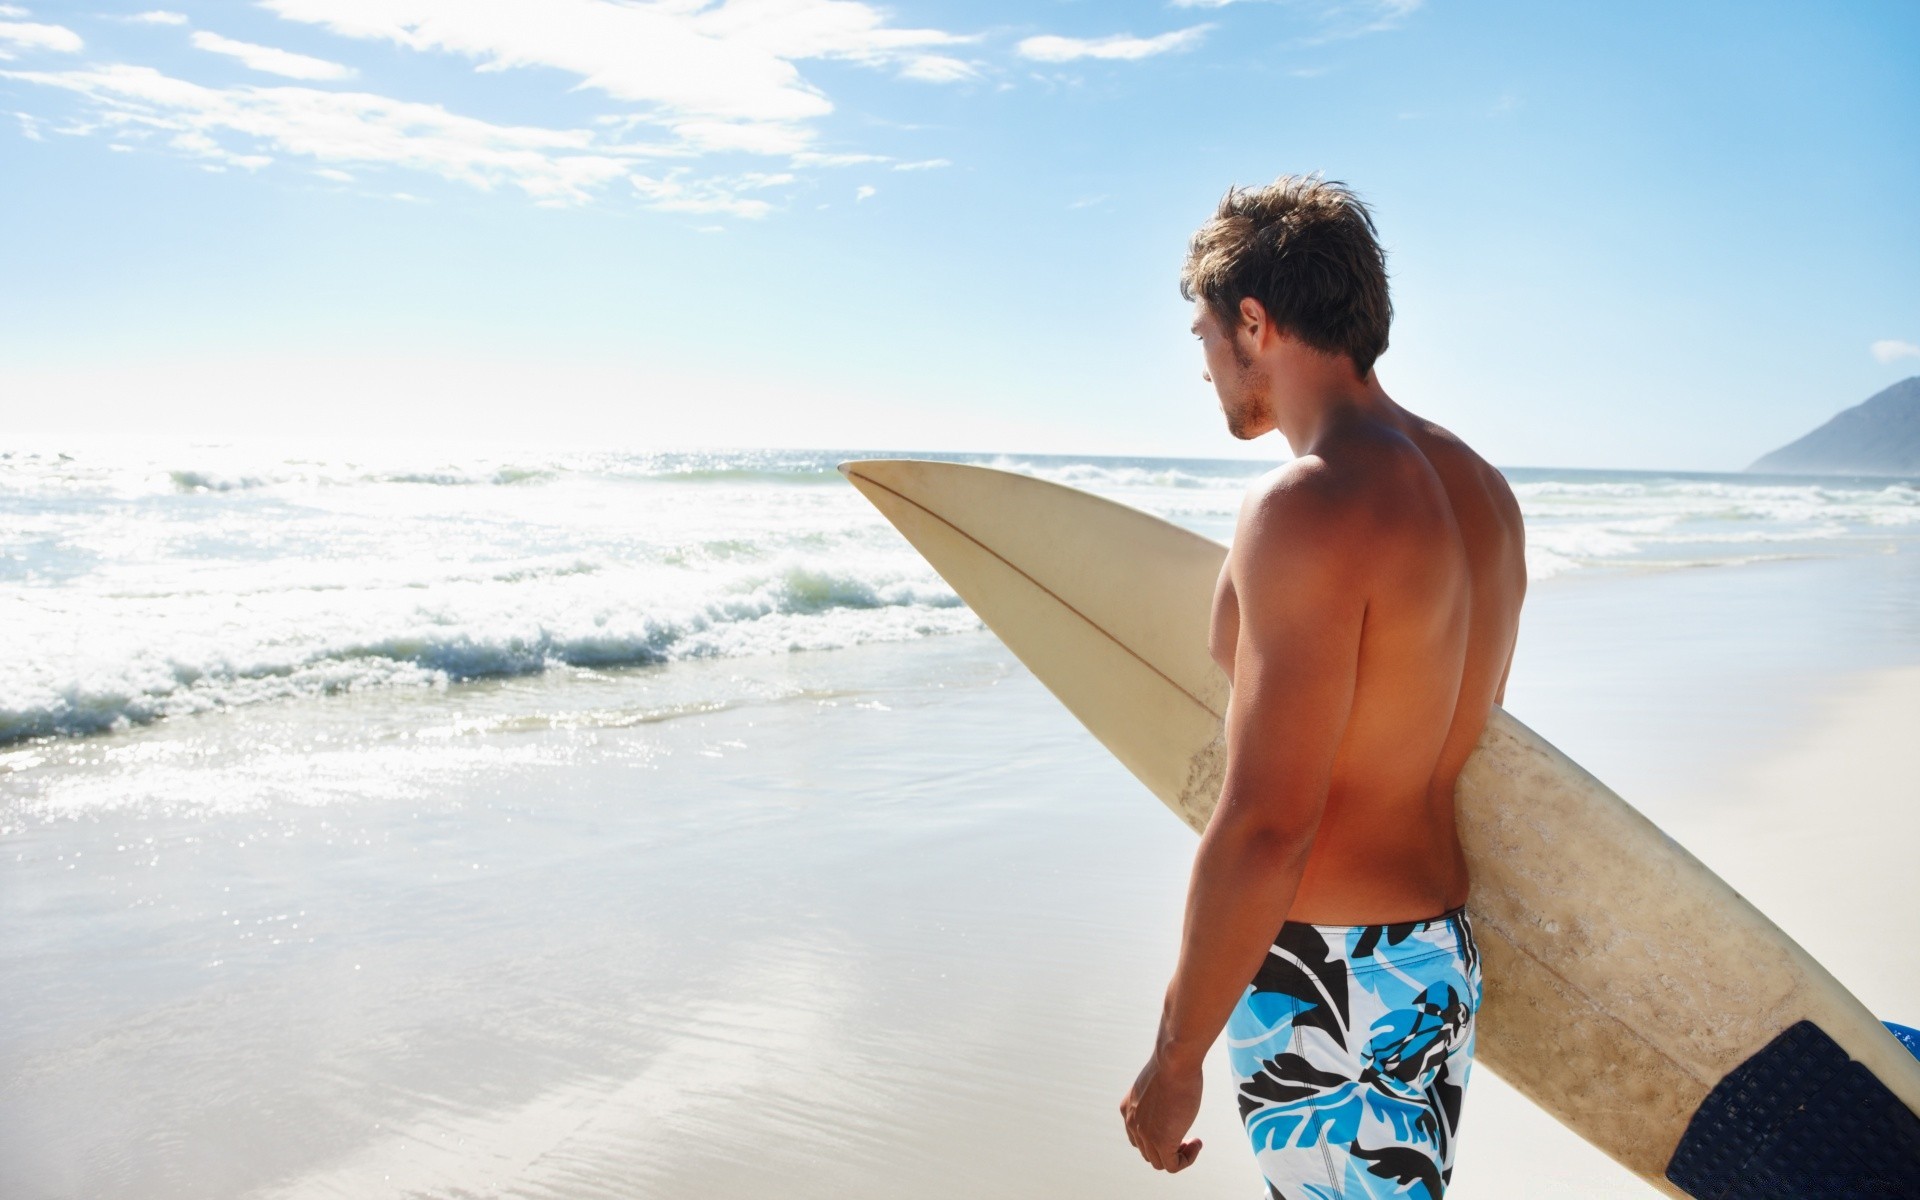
[(1366, 616)]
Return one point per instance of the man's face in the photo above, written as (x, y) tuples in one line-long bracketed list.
[(1239, 381)]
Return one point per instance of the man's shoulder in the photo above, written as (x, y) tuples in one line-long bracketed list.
[(1305, 490), (1304, 514), (1372, 491), (1451, 455)]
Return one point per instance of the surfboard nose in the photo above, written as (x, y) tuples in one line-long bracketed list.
[(879, 479)]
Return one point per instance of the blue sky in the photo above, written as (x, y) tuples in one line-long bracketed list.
[(1666, 235)]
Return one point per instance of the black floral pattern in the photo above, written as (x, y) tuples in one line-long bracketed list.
[(1351, 1047)]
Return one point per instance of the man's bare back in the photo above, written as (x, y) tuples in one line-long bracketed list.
[(1366, 618), (1437, 552)]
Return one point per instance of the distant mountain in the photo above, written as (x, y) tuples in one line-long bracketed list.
[(1879, 437)]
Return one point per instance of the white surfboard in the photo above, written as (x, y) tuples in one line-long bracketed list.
[(1628, 990)]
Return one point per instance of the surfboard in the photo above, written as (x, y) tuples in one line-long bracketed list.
[(1629, 991)]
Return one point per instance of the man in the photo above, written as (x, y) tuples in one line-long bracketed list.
[(1366, 616)]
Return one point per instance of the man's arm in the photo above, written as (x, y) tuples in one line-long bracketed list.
[(1297, 571)]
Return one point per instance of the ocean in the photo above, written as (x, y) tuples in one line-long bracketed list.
[(401, 822), (141, 585)]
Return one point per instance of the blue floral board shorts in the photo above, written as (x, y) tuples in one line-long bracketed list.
[(1350, 1050)]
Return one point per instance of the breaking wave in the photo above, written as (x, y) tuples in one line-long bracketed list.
[(302, 644), (143, 583)]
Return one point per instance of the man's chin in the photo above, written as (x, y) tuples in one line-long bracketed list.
[(1244, 425)]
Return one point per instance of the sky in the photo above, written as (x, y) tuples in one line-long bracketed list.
[(1636, 235)]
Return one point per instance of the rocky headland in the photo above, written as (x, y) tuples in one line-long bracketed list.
[(1880, 436)]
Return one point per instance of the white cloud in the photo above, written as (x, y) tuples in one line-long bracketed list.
[(863, 192), (698, 64), (159, 16), (199, 145), (1337, 18), (1891, 350), (745, 137), (270, 60), (698, 77), (631, 52), (335, 128), (9, 10), (25, 35), (813, 158), (938, 68), (674, 192), (1373, 10), (30, 127), (1049, 48), (337, 176), (925, 164)]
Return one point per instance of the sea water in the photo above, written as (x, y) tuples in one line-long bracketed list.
[(613, 824), (141, 584)]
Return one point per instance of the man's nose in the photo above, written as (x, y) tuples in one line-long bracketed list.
[(1206, 374)]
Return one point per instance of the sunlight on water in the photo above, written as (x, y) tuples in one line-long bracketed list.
[(152, 582)]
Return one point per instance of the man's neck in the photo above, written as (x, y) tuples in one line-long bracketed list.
[(1325, 399)]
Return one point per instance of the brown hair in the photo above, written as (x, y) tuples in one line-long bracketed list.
[(1305, 249)]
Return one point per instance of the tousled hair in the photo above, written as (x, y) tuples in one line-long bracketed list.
[(1307, 250)]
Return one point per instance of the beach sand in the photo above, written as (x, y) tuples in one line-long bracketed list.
[(898, 927)]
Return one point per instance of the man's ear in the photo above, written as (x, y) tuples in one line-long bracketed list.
[(1253, 318)]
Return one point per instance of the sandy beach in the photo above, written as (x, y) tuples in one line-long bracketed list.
[(860, 922)]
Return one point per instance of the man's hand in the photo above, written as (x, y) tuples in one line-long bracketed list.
[(1160, 1109)]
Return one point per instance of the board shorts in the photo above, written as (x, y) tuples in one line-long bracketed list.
[(1350, 1051)]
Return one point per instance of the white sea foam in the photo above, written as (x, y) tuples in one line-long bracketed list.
[(1580, 521), (145, 581), (1097, 477), (100, 660)]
